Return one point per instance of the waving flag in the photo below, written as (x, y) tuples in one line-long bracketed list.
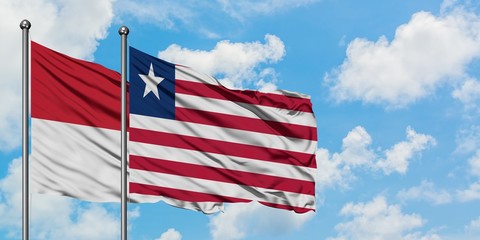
[(196, 144), (75, 127)]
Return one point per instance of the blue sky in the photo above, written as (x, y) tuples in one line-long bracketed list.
[(394, 84)]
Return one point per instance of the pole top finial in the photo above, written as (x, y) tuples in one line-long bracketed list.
[(123, 30), (25, 24)]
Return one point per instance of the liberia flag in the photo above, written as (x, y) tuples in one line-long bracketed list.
[(75, 127), (196, 144)]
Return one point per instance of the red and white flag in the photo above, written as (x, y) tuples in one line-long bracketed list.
[(193, 143), (196, 144), (75, 128)]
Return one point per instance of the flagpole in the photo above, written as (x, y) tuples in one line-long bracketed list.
[(123, 31), (25, 26)]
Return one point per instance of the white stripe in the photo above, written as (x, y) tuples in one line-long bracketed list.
[(221, 161), (188, 74), (222, 188), (75, 160), (205, 207), (245, 110), (222, 134)]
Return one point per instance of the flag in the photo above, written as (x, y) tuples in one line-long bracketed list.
[(75, 127), (196, 144)]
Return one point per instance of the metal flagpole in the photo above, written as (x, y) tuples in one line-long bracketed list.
[(25, 26), (123, 31)]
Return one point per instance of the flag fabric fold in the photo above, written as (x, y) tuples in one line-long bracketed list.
[(75, 127), (193, 143), (196, 144)]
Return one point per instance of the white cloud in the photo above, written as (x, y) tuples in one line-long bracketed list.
[(133, 213), (468, 139), (357, 152), (92, 222), (420, 236), (411, 66), (448, 5), (468, 93), (242, 9), (474, 163), (11, 196), (471, 231), (398, 157), (334, 172), (470, 194), (378, 220), (268, 79), (473, 226), (425, 191), (53, 217), (62, 24), (243, 69), (202, 17), (241, 220), (336, 169), (170, 234), (166, 14)]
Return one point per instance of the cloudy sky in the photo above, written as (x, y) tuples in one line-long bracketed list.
[(395, 87)]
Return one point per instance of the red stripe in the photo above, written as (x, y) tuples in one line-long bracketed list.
[(74, 91), (246, 123), (244, 96), (288, 207), (221, 147), (222, 175), (183, 195)]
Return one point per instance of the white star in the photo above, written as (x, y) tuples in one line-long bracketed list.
[(151, 82)]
